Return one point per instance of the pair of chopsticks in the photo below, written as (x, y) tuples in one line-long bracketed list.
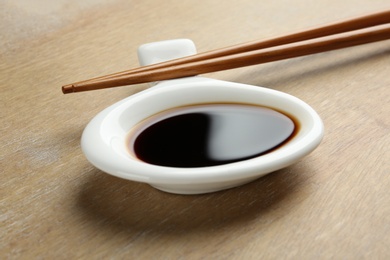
[(252, 53)]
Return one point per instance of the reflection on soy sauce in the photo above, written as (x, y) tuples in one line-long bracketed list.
[(211, 134)]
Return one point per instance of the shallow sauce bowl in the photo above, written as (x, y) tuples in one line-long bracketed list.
[(105, 139)]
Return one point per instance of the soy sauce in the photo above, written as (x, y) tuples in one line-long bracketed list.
[(210, 135)]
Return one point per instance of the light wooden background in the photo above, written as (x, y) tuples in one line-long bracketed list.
[(334, 204)]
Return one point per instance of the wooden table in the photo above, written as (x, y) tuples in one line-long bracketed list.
[(334, 204)]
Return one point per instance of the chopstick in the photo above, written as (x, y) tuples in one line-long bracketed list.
[(334, 28), (249, 53)]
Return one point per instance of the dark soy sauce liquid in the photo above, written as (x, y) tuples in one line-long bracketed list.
[(210, 135)]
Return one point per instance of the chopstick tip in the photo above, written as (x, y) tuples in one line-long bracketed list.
[(68, 89)]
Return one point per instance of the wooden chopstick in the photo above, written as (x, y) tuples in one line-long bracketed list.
[(330, 29), (246, 54), (237, 60)]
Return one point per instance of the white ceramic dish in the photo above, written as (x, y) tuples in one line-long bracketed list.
[(104, 141)]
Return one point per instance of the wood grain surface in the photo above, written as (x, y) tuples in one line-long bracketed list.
[(333, 204)]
